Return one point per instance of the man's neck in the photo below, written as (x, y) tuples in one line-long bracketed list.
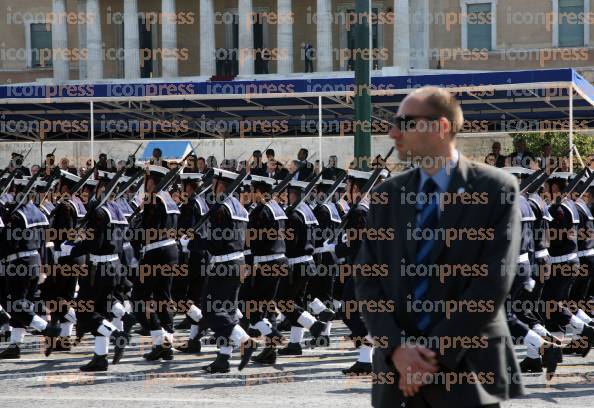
[(438, 161)]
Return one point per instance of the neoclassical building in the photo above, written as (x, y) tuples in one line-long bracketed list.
[(98, 40)]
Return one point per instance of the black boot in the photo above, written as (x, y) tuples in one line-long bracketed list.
[(581, 345), (5, 337), (98, 363), (13, 351), (266, 357), (220, 365), (326, 315), (292, 349), (285, 325), (317, 328), (63, 344), (320, 341), (247, 349), (551, 357), (184, 324), (191, 346), (531, 365), (358, 368), (158, 353), (51, 334), (120, 341)]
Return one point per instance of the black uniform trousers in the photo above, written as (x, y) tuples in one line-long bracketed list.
[(152, 295), (22, 278), (581, 285), (95, 296), (291, 290), (321, 285), (261, 288), (352, 319), (220, 297), (60, 286), (556, 290)]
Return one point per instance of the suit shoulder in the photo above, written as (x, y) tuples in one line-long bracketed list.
[(492, 176), (394, 182)]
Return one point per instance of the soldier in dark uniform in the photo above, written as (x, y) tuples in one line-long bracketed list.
[(23, 239), (226, 242), (320, 287), (194, 249), (300, 248), (563, 250), (61, 284), (101, 240), (152, 294), (266, 230), (348, 249), (581, 287)]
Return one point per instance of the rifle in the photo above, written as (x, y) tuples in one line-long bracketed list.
[(28, 188), (134, 178), (332, 190), (11, 177)]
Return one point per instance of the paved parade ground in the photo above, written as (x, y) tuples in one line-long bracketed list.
[(312, 380)]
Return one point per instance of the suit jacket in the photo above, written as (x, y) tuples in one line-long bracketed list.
[(306, 171), (497, 253)]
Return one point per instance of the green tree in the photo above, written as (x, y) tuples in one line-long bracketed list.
[(559, 142)]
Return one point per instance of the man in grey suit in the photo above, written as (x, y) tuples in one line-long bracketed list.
[(435, 304)]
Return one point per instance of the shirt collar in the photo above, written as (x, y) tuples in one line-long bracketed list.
[(443, 176)]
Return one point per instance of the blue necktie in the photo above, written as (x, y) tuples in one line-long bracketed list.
[(427, 220)]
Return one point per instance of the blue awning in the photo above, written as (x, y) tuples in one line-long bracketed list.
[(492, 102), (170, 150)]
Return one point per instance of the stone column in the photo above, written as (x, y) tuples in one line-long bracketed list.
[(402, 35), (246, 37), (94, 41), (285, 36), (208, 65), (81, 29), (131, 40), (420, 33), (61, 65), (169, 38), (324, 36)]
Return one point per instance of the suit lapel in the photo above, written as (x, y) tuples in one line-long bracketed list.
[(452, 212), (408, 213)]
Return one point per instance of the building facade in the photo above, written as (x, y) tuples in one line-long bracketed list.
[(129, 39)]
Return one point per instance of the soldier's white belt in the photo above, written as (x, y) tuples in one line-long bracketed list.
[(325, 248), (20, 255), (523, 258), (225, 258), (563, 258), (541, 254), (158, 244), (97, 259), (301, 259), (247, 252), (49, 244), (127, 245), (267, 258), (586, 252)]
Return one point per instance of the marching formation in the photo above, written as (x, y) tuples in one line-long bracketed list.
[(253, 254)]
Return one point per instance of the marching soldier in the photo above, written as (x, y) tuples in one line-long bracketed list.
[(195, 250), (23, 240), (101, 240), (152, 294), (266, 233), (300, 248), (226, 242)]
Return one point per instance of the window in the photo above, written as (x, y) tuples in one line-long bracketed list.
[(571, 23), (479, 29), (479, 20), (347, 39), (41, 45)]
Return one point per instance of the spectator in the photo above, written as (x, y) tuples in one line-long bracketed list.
[(496, 152), (257, 166), (308, 168), (332, 172), (34, 169), (546, 161), (491, 160), (201, 165), (521, 156), (308, 56), (157, 160)]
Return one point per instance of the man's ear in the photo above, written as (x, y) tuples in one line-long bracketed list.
[(445, 128)]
